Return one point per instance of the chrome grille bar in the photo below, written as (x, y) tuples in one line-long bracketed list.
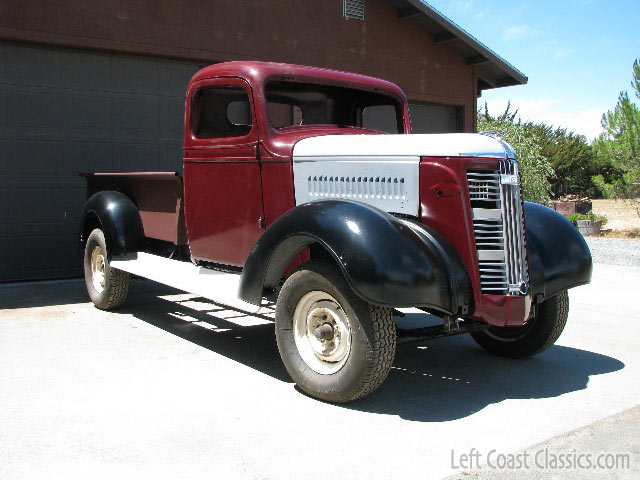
[(515, 252), (498, 225)]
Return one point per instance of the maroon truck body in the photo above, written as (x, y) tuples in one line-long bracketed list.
[(245, 182)]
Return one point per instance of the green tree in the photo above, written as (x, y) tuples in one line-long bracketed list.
[(619, 146), (535, 169), (570, 156)]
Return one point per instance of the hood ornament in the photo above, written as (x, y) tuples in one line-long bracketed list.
[(497, 134)]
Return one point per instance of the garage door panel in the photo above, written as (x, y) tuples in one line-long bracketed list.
[(3, 64), (171, 157), (6, 195), (433, 118), (33, 65), (133, 114), (76, 196), (7, 159), (138, 157), (175, 76), (86, 71), (9, 264), (42, 254), (90, 157), (172, 118), (35, 229), (39, 157), (89, 114), (54, 211), (46, 205), (35, 109), (4, 101), (134, 75)]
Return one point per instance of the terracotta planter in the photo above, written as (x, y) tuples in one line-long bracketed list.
[(589, 227)]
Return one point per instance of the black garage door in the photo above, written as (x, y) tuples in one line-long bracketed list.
[(64, 111), (431, 118)]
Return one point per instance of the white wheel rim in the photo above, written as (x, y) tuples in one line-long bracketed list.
[(97, 269), (320, 310)]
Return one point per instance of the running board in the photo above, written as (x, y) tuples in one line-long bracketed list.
[(220, 287)]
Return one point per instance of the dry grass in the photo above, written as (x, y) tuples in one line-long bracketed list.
[(622, 217), (626, 234)]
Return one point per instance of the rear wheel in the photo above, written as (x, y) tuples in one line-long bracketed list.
[(107, 287), (536, 336), (334, 345)]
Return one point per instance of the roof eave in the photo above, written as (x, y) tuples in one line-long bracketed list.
[(493, 71)]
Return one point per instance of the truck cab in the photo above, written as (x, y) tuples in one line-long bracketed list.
[(305, 187), (242, 121)]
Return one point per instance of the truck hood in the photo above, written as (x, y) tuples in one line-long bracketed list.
[(381, 170), (413, 145)]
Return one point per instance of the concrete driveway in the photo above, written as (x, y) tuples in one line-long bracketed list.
[(172, 386)]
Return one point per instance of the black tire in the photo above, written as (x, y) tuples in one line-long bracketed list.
[(540, 332), (318, 289), (109, 290)]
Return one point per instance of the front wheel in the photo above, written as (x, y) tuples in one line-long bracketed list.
[(536, 336), (335, 346), (107, 287)]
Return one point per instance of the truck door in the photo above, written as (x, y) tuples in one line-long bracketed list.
[(223, 192)]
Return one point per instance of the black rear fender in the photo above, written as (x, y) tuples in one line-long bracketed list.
[(118, 218)]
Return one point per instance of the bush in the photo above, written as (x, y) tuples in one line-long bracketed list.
[(535, 169), (574, 217)]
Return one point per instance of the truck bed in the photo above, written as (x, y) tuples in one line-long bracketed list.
[(158, 196)]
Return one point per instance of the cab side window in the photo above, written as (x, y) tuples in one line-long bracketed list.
[(221, 112)]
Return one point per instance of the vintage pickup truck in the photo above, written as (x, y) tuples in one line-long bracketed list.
[(305, 186)]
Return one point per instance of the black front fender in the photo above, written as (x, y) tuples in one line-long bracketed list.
[(559, 258), (119, 220), (385, 260)]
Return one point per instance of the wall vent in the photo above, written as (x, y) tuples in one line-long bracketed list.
[(353, 9)]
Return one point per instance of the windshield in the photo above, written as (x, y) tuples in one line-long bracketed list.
[(299, 104)]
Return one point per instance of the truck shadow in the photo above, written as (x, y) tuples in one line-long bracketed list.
[(241, 337), (435, 381), (453, 378)]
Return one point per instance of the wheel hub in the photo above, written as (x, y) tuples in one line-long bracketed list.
[(98, 269), (322, 332)]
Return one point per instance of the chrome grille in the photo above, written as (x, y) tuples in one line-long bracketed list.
[(498, 226), (483, 186)]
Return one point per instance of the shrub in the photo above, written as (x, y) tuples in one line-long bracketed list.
[(574, 217), (535, 169)]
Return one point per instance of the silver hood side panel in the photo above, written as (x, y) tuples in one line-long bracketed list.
[(381, 170), (388, 183)]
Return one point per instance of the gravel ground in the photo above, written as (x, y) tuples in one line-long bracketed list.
[(614, 251)]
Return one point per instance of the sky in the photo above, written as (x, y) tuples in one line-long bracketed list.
[(577, 54)]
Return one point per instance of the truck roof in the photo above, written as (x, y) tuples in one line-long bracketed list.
[(256, 72)]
